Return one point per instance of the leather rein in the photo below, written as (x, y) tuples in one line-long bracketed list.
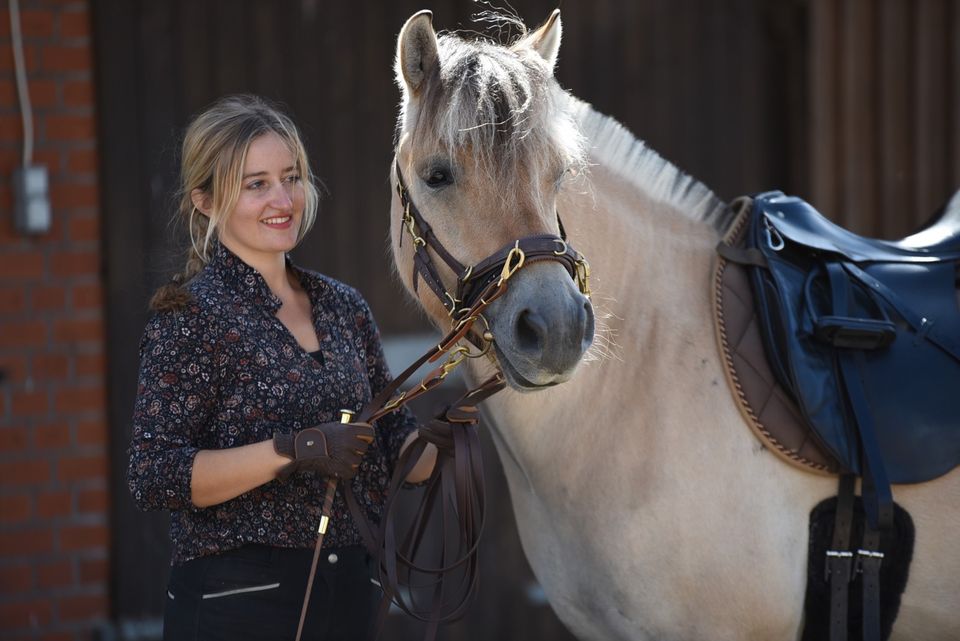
[(457, 479)]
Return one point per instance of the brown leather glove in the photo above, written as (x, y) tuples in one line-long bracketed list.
[(439, 431), (330, 449)]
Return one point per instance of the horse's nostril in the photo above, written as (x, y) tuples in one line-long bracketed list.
[(587, 325), (530, 330)]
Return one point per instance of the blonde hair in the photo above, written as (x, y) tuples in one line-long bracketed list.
[(214, 151)]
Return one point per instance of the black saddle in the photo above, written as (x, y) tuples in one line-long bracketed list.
[(865, 336), (828, 296)]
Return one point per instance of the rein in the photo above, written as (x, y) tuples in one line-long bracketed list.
[(457, 478)]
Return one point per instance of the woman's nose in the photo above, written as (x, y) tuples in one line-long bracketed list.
[(282, 197)]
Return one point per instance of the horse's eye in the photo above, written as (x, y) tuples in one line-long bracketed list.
[(438, 177)]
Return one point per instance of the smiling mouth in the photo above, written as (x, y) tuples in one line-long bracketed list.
[(277, 221)]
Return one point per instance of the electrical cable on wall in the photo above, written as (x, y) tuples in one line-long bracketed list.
[(23, 91), (31, 201)]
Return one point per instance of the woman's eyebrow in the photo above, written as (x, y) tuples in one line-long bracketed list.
[(264, 173)]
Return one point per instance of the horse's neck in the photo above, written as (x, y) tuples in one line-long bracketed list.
[(649, 259), (650, 278)]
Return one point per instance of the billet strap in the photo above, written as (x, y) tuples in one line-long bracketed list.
[(839, 561), (875, 487), (869, 558), (876, 491)]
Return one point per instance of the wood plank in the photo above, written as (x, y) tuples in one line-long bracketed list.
[(195, 55), (160, 137), (953, 70), (930, 94), (857, 92), (895, 171), (124, 223), (229, 43), (824, 54)]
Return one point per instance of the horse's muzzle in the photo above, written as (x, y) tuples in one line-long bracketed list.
[(542, 326)]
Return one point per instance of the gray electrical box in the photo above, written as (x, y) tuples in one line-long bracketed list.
[(31, 200)]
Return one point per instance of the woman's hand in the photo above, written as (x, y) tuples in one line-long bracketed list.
[(330, 449)]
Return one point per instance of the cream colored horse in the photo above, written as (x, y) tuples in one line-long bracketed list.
[(646, 507)]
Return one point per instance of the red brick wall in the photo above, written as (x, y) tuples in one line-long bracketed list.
[(53, 449)]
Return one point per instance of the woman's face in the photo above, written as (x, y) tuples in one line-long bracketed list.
[(266, 219)]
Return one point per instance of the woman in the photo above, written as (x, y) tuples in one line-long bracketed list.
[(244, 369)]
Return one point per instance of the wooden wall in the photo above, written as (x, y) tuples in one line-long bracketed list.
[(852, 104), (884, 132)]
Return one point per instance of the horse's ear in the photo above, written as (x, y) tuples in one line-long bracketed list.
[(416, 51), (546, 39)]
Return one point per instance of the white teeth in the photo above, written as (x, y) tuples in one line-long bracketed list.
[(277, 221)]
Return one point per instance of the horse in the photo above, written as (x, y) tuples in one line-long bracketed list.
[(646, 507)]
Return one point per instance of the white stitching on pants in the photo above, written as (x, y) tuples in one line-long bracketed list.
[(255, 588), (170, 594)]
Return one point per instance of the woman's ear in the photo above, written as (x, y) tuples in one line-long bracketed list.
[(201, 200)]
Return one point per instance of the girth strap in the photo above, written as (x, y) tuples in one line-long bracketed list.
[(875, 489), (839, 563)]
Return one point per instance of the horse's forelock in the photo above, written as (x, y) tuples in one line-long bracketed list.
[(501, 105)]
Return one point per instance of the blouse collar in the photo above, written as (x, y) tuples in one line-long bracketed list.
[(244, 279)]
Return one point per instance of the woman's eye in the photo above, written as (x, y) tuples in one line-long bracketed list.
[(257, 184), (293, 178), (439, 178)]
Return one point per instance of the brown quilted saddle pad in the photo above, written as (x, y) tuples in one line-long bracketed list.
[(769, 412)]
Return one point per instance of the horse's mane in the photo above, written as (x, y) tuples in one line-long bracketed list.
[(503, 104), (622, 153)]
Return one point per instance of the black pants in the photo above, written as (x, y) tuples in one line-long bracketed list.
[(256, 593)]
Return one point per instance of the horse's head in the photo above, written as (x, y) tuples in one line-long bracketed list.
[(484, 145)]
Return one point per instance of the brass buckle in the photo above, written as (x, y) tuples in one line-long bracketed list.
[(410, 224), (583, 275), (509, 268), (395, 402), (454, 359)]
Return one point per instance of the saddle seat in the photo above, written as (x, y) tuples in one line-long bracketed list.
[(796, 219)]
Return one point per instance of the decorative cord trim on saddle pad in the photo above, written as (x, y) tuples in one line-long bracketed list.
[(767, 409)]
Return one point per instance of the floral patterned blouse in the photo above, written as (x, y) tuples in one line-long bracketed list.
[(225, 372)]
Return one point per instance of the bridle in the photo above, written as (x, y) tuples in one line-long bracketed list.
[(456, 485), (474, 280)]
